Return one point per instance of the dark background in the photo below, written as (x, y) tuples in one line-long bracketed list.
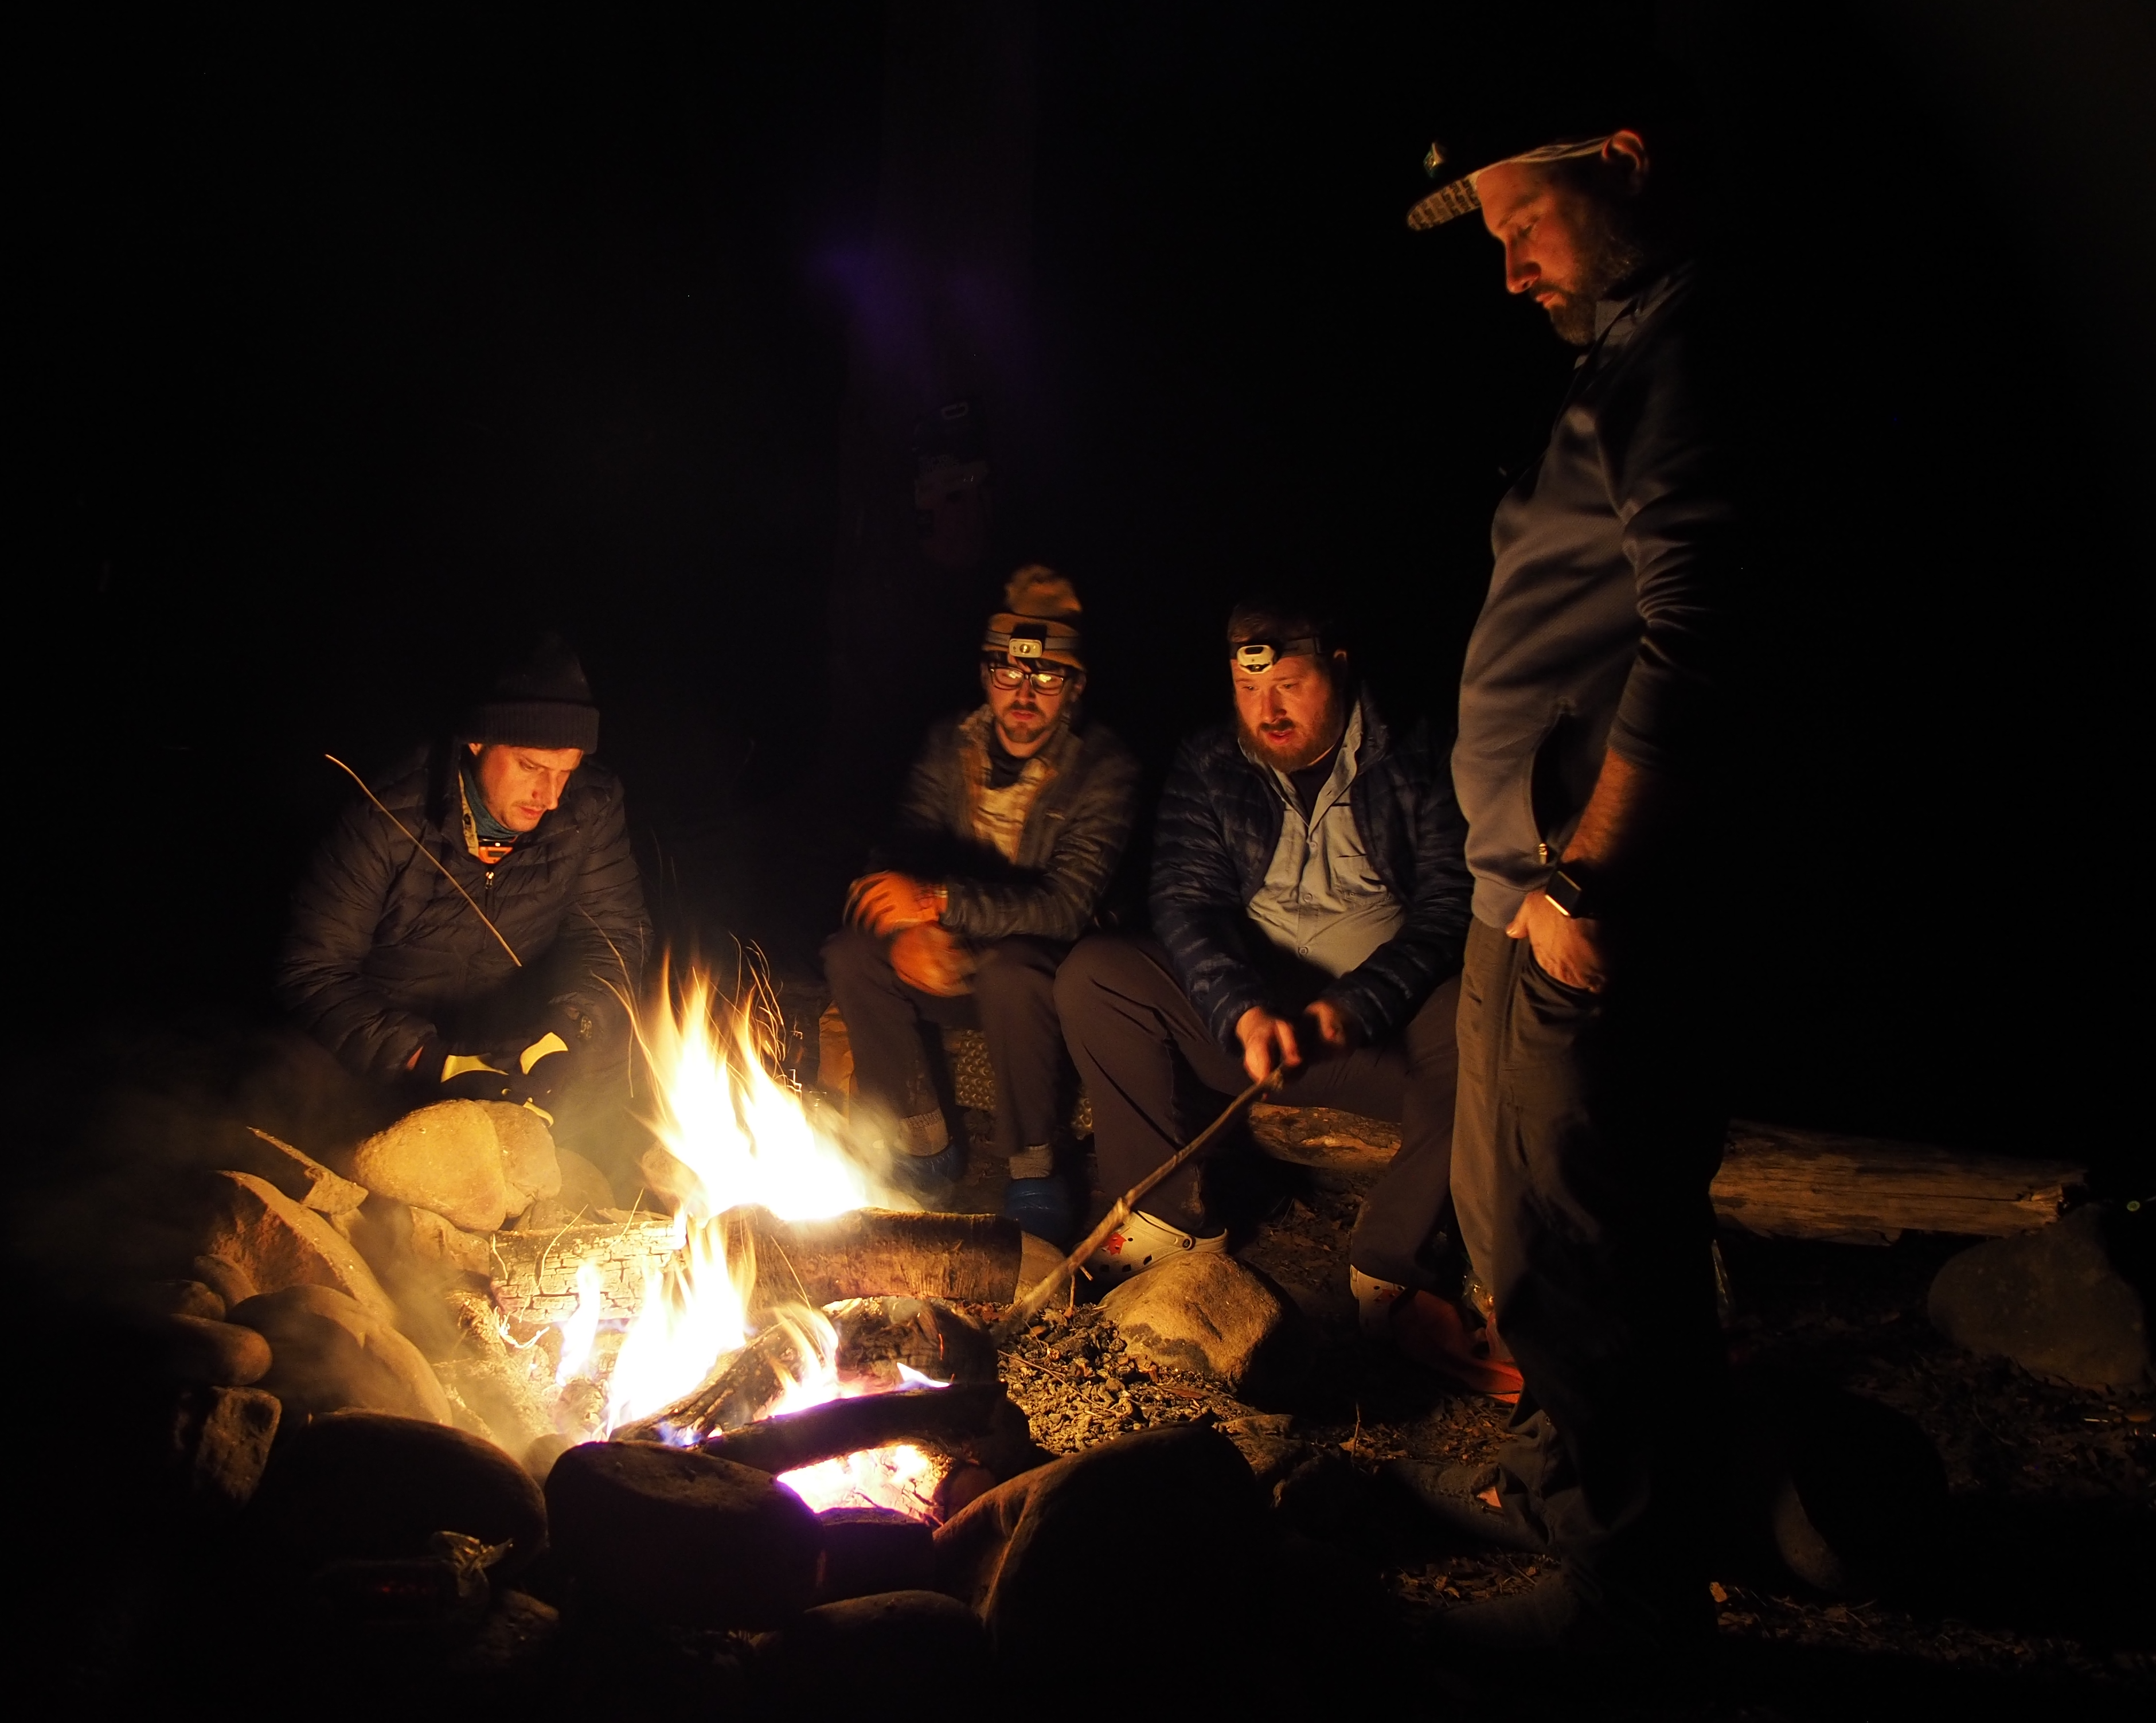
[(356, 351)]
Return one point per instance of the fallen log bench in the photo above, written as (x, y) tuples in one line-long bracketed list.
[(863, 1253), (1776, 1180)]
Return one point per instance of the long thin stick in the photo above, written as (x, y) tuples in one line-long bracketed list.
[(428, 853), (1027, 1307)]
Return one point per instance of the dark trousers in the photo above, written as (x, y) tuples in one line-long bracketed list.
[(1589, 1129), (1013, 1005), (1129, 1025)]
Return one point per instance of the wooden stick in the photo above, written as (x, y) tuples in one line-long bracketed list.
[(944, 1417), (428, 853), (1030, 1306)]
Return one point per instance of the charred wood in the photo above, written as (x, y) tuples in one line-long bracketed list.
[(948, 1418)]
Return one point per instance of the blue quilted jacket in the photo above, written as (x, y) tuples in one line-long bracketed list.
[(1219, 824)]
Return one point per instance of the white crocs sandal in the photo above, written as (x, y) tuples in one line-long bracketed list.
[(1374, 1301), (1142, 1242)]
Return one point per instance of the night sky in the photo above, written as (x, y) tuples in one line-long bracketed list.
[(360, 349)]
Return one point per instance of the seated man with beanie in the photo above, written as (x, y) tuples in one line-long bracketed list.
[(1309, 901), (472, 927), (1008, 834)]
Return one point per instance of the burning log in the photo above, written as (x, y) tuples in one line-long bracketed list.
[(949, 1418), (863, 1253), (869, 1253), (753, 1380)]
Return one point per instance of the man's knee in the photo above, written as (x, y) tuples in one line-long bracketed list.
[(1011, 973), (1100, 961), (851, 956)]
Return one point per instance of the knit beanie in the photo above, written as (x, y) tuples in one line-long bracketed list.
[(1040, 625), (543, 702)]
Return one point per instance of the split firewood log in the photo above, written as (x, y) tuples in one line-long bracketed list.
[(947, 1419)]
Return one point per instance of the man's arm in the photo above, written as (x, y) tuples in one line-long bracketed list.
[(320, 978), (1199, 912), (1670, 485), (1059, 902)]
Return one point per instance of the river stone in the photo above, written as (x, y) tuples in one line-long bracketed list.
[(276, 1244), (364, 1487), (1213, 1316), (162, 1299), (531, 1166), (871, 1550), (227, 1279), (331, 1354), (438, 1241), (584, 1188), (446, 1158), (1055, 1545), (2052, 1300), (221, 1438), (673, 1534), (226, 1354), (901, 1654)]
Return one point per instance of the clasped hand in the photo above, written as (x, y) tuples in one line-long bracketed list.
[(1270, 1042), (887, 903)]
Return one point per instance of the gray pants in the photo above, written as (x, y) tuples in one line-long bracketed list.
[(1128, 1024), (1013, 1005)]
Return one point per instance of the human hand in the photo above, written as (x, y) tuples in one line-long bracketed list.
[(1571, 950), (1334, 1028), (886, 904), (932, 959), (1268, 1043)]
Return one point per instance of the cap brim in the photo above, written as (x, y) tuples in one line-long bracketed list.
[(1449, 202)]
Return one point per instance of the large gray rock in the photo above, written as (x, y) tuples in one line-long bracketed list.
[(330, 1354), (151, 1303), (227, 1279), (221, 1439), (296, 1173), (2053, 1301), (1213, 1316), (1113, 1538), (871, 1550), (364, 1487), (276, 1242), (672, 1535), (227, 1354)]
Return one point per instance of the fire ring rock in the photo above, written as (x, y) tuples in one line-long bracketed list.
[(225, 1353), (330, 1354), (1213, 1316), (682, 1537), (892, 1654), (362, 1486), (447, 1158), (2053, 1301), (275, 1243)]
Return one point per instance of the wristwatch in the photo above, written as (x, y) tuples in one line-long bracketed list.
[(1571, 892)]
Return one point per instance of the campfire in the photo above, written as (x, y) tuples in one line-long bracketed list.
[(723, 1330)]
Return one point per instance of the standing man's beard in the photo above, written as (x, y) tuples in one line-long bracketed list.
[(1297, 748), (1609, 258)]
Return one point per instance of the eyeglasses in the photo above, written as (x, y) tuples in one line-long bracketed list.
[(1016, 676)]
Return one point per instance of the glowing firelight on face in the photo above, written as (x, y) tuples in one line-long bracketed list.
[(742, 1138)]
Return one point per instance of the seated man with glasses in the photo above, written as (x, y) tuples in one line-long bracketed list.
[(1008, 834)]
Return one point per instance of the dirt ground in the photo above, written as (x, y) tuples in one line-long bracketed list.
[(2038, 1594)]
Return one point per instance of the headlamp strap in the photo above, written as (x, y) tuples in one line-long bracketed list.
[(1256, 657)]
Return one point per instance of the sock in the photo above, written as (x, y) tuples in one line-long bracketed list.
[(1038, 1162)]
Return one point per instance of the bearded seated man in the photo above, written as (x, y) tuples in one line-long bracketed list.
[(1309, 902), (474, 929), (1008, 835)]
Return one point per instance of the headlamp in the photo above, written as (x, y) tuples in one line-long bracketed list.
[(1256, 657)]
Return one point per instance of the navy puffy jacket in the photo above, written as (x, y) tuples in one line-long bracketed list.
[(1218, 828)]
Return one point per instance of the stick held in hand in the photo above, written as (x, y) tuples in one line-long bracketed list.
[(1028, 1307)]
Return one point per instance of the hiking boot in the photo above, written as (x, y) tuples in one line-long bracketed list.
[(1469, 1502), (1142, 1242)]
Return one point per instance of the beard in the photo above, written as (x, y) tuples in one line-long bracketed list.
[(1294, 749), (1018, 725), (1609, 257)]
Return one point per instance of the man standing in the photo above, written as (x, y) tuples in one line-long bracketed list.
[(1588, 1124), (474, 929), (1309, 900), (1008, 835)]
